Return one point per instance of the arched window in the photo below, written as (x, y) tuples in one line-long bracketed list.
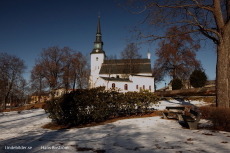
[(126, 87), (150, 88), (113, 85), (96, 58), (136, 86), (143, 87)]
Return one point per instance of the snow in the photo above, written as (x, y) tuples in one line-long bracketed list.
[(23, 133)]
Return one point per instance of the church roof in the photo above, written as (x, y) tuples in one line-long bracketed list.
[(122, 61), (118, 66), (116, 79)]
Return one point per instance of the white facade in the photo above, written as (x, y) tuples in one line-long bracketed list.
[(96, 63), (134, 83)]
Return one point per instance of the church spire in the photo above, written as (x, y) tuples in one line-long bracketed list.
[(98, 44), (98, 34), (148, 54)]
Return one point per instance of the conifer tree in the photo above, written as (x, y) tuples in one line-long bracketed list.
[(198, 78)]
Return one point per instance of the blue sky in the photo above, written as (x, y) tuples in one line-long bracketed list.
[(27, 26)]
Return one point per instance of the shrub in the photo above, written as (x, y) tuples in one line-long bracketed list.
[(96, 105), (206, 111), (176, 84), (198, 78), (221, 118)]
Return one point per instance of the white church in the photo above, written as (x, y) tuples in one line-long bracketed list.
[(112, 74)]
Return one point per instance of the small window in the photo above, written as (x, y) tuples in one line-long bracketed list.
[(150, 88), (118, 76), (113, 85), (126, 87), (136, 86), (143, 87), (96, 58)]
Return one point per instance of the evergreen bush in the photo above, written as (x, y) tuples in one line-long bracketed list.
[(176, 84), (96, 105), (198, 79)]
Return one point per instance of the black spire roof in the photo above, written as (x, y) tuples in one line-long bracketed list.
[(98, 44)]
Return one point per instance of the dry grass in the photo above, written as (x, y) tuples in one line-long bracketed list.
[(220, 117), (28, 107)]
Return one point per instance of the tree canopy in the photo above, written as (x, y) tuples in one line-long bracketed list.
[(176, 56), (11, 70), (61, 68)]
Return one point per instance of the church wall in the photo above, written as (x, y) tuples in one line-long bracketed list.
[(96, 62), (145, 74), (136, 83), (143, 83), (120, 85)]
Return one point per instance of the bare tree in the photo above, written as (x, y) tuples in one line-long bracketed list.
[(11, 70), (37, 78), (51, 64), (67, 62), (60, 68), (158, 76), (130, 57), (208, 18), (177, 55), (80, 70), (20, 92)]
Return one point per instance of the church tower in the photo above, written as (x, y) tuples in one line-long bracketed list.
[(97, 56)]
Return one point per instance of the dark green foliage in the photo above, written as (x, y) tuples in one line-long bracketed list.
[(176, 84), (96, 105), (198, 78)]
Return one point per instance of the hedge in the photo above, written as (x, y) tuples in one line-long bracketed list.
[(95, 105)]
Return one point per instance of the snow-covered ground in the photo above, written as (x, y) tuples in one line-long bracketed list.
[(23, 133)]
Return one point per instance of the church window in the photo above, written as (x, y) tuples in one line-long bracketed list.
[(136, 86), (150, 88), (96, 58), (143, 87), (126, 87), (113, 85)]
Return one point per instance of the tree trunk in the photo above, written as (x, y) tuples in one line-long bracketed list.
[(222, 70), (227, 46)]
